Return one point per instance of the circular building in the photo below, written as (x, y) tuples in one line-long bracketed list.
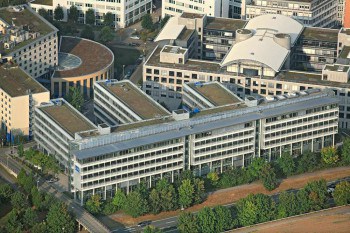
[(81, 62)]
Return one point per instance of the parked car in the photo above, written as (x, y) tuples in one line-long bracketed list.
[(128, 74), (135, 37), (150, 39)]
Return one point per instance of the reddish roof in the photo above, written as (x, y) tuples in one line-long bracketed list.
[(94, 56)]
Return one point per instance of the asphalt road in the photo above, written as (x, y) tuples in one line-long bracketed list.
[(82, 216), (169, 224)]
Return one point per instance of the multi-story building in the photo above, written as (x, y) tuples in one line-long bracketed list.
[(124, 12), (312, 13), (123, 102), (205, 37), (19, 94), (81, 63), (346, 13), (28, 40), (270, 55), (224, 132)]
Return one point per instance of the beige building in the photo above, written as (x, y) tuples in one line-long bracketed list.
[(81, 63), (19, 95), (28, 40), (312, 13)]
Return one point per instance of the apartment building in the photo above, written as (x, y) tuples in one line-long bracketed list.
[(123, 102), (270, 55), (311, 13), (28, 40), (125, 12), (227, 132), (19, 94)]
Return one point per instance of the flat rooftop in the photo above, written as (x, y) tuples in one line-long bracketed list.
[(339, 68), (16, 82), (308, 78), (215, 93), (345, 53), (321, 34), (43, 2), (195, 65), (173, 49), (135, 99), (185, 34), (66, 117), (94, 56), (125, 127), (25, 18), (189, 15), (224, 24)]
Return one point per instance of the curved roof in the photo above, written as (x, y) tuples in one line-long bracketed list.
[(171, 30), (279, 23), (261, 47), (94, 56)]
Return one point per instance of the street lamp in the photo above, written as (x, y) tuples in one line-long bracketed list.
[(123, 72), (37, 184)]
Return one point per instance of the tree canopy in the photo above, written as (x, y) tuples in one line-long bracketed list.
[(106, 34), (73, 14), (58, 13), (108, 19), (147, 22), (75, 98), (90, 16)]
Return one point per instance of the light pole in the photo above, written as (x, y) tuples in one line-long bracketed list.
[(37, 184), (123, 72)]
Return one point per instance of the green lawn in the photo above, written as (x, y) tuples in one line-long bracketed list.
[(123, 56)]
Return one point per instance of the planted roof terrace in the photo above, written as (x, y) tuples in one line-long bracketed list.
[(215, 93), (68, 118), (135, 99)]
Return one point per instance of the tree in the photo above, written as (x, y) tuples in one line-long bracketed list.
[(19, 201), (30, 217), (151, 229), (87, 33), (207, 220), (109, 208), (342, 193), (287, 205), (106, 34), (73, 14), (135, 205), (329, 155), (90, 16), (20, 150), (155, 202), (187, 223), (43, 13), (164, 21), (147, 22), (345, 152), (318, 195), (119, 199), (36, 198), (308, 161), (58, 13), (255, 167), (213, 177), (108, 19), (268, 177), (6, 192), (287, 164), (255, 209), (93, 204), (39, 228), (224, 219), (303, 201), (75, 98), (13, 223), (28, 183), (199, 191), (167, 195), (186, 192), (58, 218), (21, 177)]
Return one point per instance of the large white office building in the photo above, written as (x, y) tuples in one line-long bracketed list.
[(313, 13), (226, 131), (268, 55), (215, 8), (125, 12)]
